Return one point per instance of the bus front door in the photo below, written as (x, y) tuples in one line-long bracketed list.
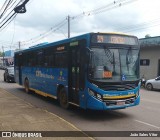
[(74, 66)]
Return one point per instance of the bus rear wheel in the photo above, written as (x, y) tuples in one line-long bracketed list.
[(63, 98), (26, 86)]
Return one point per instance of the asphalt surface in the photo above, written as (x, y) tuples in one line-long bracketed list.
[(17, 115), (145, 117)]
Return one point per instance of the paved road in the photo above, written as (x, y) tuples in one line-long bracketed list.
[(145, 117)]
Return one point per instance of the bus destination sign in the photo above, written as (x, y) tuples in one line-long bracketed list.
[(117, 40), (114, 39)]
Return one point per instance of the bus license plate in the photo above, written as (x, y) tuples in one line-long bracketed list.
[(120, 103)]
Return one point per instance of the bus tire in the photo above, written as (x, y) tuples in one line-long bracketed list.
[(26, 85), (63, 98)]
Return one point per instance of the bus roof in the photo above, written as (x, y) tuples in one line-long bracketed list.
[(46, 44), (116, 33), (87, 35)]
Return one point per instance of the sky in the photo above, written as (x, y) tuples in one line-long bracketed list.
[(46, 20)]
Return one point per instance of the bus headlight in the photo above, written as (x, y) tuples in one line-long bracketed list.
[(99, 96), (95, 94)]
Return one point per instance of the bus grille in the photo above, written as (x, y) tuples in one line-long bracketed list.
[(115, 102), (117, 87)]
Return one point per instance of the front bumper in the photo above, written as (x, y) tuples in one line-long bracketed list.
[(95, 104), (10, 78)]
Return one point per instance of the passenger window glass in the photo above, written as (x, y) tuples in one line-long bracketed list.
[(40, 55)]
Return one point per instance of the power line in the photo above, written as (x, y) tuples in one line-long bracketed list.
[(139, 24), (8, 20), (117, 5), (8, 44), (12, 4), (10, 12), (13, 32), (148, 24), (18, 9), (3, 5), (5, 9), (98, 10), (41, 36), (50, 31), (105, 8), (47, 33), (140, 28)]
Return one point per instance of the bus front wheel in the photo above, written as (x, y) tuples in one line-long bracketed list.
[(63, 98), (26, 86)]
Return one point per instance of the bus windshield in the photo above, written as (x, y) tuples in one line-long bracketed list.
[(112, 64)]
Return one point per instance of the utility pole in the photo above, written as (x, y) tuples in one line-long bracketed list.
[(19, 45), (68, 26)]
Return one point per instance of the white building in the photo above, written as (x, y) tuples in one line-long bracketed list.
[(150, 57)]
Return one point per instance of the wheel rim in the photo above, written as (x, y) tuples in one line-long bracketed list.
[(149, 87)]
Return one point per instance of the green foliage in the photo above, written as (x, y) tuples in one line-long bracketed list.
[(1, 54), (147, 36)]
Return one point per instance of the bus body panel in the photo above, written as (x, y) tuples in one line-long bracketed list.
[(94, 103), (46, 80)]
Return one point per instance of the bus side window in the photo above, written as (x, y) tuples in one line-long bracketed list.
[(31, 60), (61, 59), (49, 58), (27, 59), (40, 60), (24, 60)]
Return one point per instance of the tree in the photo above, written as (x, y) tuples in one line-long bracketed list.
[(1, 54), (147, 36)]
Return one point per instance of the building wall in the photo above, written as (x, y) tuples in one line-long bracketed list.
[(7, 61), (9, 53), (153, 54)]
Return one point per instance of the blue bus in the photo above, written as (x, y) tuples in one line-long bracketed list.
[(98, 71)]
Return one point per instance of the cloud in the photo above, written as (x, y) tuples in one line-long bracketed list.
[(44, 14)]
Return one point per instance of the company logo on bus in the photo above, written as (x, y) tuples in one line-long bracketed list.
[(60, 48)]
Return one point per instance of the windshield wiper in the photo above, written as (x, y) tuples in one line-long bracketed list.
[(129, 59), (110, 56)]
